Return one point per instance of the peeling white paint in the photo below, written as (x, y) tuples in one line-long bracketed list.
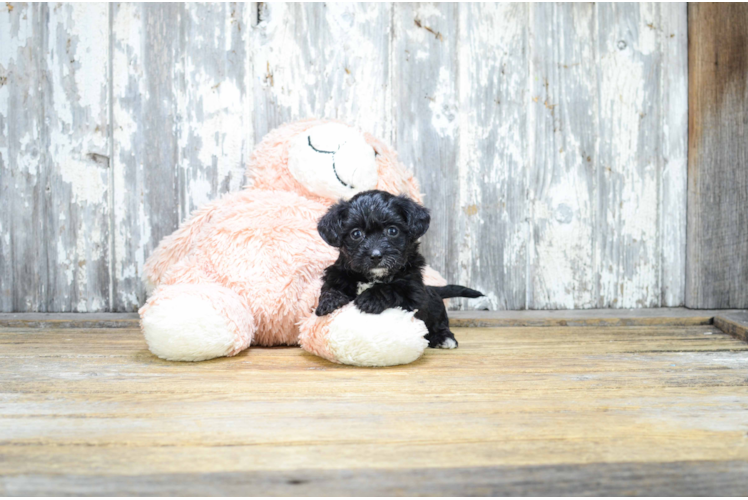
[(443, 106), (629, 269), (87, 183), (28, 163), (131, 224), (81, 43), (492, 160), (337, 71), (561, 268), (213, 134), (88, 33), (673, 43), (550, 140), (427, 11)]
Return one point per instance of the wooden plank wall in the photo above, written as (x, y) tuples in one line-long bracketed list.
[(549, 139), (718, 156)]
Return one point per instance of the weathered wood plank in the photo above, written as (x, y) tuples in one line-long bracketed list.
[(717, 271), (23, 264), (83, 413), (215, 132), (62, 347), (76, 164), (734, 323), (457, 319), (322, 60), (627, 156), (146, 84), (585, 317), (584, 206), (585, 252), (425, 116), (562, 161), (69, 320), (672, 46), (695, 478), (491, 213), (519, 211)]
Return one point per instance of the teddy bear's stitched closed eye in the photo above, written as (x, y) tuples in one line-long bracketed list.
[(334, 161)]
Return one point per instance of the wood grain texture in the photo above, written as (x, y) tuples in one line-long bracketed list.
[(694, 478), (718, 156), (182, 123), (23, 264), (564, 94), (146, 90), (69, 320), (549, 139), (76, 163), (426, 115), (322, 60), (626, 249), (585, 317), (491, 213), (607, 196), (86, 408), (734, 323), (672, 43), (215, 131), (731, 321), (56, 180), (726, 320)]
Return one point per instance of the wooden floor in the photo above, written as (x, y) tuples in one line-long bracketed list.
[(515, 410)]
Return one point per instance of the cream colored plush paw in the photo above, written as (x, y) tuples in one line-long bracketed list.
[(394, 337), (187, 328)]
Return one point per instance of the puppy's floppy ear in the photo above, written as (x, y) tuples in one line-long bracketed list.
[(330, 226), (416, 216)]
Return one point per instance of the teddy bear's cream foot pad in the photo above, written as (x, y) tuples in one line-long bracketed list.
[(195, 323), (394, 337)]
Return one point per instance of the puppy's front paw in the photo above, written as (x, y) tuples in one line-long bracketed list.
[(448, 343), (329, 302), (324, 309), (442, 341), (371, 302)]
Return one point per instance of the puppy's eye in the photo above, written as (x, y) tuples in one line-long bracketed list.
[(392, 231), (356, 234)]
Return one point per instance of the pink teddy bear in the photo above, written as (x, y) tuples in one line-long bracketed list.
[(246, 269)]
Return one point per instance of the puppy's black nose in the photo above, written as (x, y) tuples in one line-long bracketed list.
[(376, 256)]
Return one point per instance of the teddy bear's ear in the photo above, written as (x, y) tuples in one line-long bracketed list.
[(330, 226), (416, 216)]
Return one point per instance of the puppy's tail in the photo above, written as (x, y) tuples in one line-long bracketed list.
[(449, 291)]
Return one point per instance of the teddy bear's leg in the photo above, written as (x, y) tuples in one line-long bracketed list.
[(351, 337), (191, 322)]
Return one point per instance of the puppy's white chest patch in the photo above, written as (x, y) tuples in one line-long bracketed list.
[(378, 272), (362, 287)]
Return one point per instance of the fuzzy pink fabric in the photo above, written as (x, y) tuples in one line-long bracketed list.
[(313, 334), (256, 254)]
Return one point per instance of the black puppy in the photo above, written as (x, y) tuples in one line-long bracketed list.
[(379, 266)]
